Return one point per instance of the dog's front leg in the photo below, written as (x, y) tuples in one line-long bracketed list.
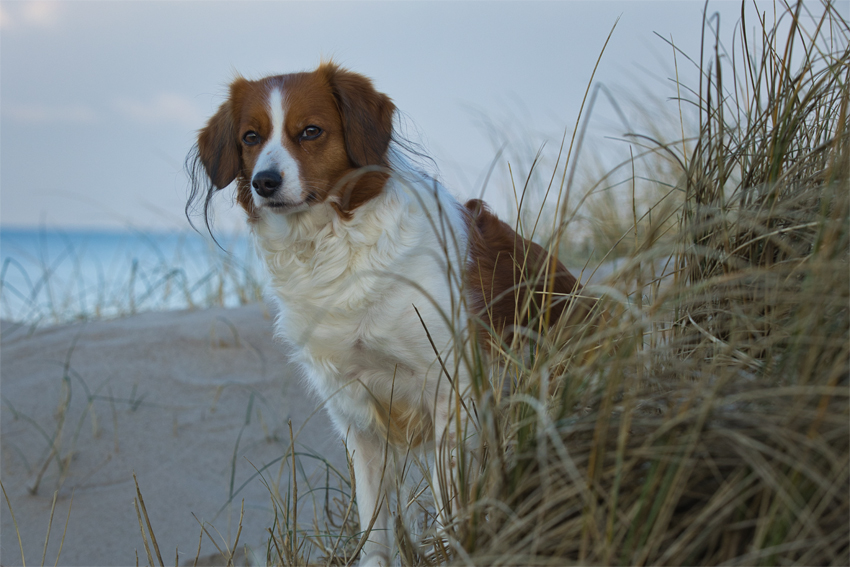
[(368, 459)]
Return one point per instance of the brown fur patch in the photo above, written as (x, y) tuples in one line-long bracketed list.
[(509, 276), (404, 426)]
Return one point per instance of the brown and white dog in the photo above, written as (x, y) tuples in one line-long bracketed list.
[(356, 240)]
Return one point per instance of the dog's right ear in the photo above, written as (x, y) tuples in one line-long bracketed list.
[(218, 141)]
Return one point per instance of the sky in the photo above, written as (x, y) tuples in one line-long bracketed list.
[(100, 102)]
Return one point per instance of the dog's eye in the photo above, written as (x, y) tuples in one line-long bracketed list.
[(251, 138), (311, 133)]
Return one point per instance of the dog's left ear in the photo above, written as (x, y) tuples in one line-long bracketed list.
[(367, 115)]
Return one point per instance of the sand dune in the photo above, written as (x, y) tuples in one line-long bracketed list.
[(175, 397)]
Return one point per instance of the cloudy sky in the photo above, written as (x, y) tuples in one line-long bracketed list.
[(101, 101)]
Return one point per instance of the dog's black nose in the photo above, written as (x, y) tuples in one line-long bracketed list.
[(265, 183)]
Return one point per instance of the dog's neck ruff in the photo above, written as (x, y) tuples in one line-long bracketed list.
[(326, 265)]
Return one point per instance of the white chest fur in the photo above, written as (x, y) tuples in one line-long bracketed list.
[(346, 290)]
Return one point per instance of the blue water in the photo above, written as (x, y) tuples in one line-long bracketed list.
[(55, 276)]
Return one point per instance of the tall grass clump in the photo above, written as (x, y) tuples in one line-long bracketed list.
[(703, 417), (712, 425)]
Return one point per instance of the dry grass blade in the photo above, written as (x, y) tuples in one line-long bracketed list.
[(15, 522), (144, 535), (198, 553), (49, 526), (65, 531), (440, 360), (238, 533), (141, 502), (293, 547), (204, 530)]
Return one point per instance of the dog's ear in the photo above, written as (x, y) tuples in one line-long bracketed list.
[(367, 115), (218, 141)]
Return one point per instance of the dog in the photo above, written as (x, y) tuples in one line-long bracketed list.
[(376, 270)]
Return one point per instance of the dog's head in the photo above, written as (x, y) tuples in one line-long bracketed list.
[(294, 141)]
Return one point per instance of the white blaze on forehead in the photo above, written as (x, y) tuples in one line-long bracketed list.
[(274, 155), (276, 113)]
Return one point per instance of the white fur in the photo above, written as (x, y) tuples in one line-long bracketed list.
[(346, 291)]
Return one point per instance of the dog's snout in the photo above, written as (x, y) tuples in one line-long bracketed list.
[(265, 183)]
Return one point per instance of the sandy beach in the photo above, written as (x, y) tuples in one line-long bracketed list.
[(193, 402)]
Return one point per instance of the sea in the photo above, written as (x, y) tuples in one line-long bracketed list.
[(53, 276)]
